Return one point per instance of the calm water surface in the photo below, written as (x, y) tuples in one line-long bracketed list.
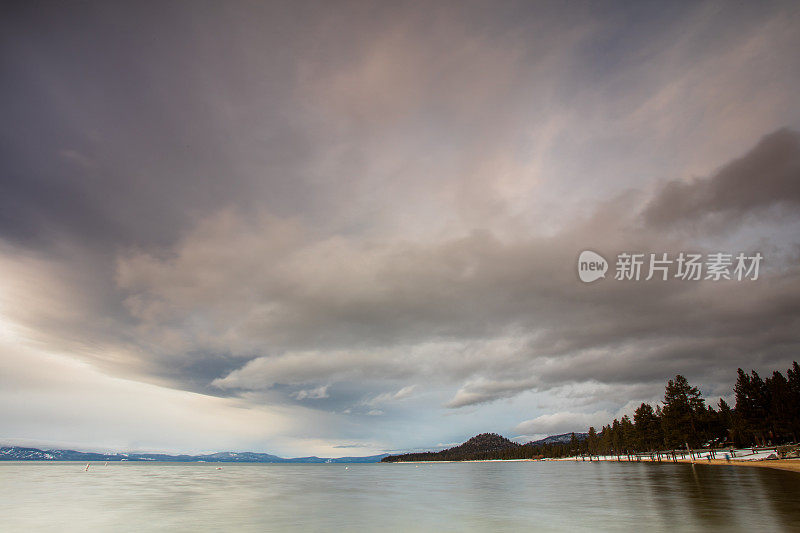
[(514, 496)]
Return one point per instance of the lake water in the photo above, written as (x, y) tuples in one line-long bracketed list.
[(511, 496)]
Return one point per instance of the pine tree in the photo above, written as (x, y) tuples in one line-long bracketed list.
[(780, 406), (683, 409), (752, 406), (712, 430), (647, 428), (628, 434), (606, 443), (661, 441), (591, 441), (616, 437), (725, 420), (793, 381)]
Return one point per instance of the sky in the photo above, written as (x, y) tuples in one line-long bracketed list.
[(351, 228)]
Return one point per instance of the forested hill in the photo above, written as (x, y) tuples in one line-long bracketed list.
[(480, 447), (485, 442)]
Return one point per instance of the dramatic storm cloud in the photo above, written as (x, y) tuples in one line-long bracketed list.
[(299, 228)]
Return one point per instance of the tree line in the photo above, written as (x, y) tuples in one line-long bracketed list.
[(767, 411)]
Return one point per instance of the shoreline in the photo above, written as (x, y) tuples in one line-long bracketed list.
[(789, 465)]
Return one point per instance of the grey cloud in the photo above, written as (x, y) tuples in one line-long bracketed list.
[(322, 206), (383, 300), (767, 175), (390, 298)]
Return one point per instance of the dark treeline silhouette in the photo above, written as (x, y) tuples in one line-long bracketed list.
[(767, 411)]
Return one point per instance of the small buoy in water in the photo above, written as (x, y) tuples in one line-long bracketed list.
[(347, 468), (219, 468), (87, 468)]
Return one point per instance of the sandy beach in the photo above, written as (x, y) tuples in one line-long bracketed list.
[(792, 465)]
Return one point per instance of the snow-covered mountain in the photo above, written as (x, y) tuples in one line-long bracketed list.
[(559, 439), (18, 453)]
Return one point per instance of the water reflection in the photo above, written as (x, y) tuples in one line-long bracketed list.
[(540, 496), (784, 489)]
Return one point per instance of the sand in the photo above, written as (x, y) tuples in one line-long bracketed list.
[(793, 465)]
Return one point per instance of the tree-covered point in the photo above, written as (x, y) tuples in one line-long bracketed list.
[(767, 411)]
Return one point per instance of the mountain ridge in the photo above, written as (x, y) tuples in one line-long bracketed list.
[(21, 453), (481, 446), (563, 438)]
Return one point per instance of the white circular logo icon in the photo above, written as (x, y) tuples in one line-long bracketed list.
[(591, 266)]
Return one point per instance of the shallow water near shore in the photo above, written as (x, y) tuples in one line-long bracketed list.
[(514, 496)]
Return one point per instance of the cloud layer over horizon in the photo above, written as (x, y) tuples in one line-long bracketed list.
[(308, 228)]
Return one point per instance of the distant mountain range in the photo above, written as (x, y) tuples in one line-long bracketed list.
[(558, 439), (17, 453), (485, 445)]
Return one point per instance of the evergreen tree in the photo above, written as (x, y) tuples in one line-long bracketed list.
[(780, 406), (591, 441), (725, 415), (628, 434), (616, 437), (574, 445), (662, 439), (605, 445), (647, 428), (752, 406), (793, 382), (711, 430), (683, 409)]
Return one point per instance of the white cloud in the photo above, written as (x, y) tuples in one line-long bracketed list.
[(388, 397), (486, 390), (563, 422), (53, 398), (312, 394), (297, 368)]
